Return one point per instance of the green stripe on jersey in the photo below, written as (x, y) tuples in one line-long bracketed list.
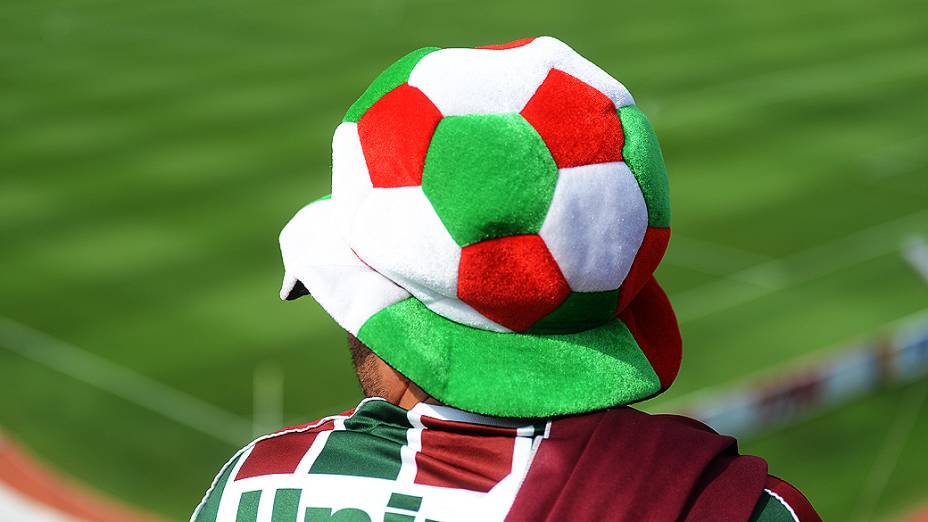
[(396, 517), (248, 506), (642, 154), (370, 445), (395, 75), (314, 514), (771, 509), (286, 505), (401, 501), (210, 509), (540, 428)]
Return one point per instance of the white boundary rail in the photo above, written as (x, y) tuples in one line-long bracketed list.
[(897, 355)]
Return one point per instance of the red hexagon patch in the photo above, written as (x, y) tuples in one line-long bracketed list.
[(578, 123), (511, 45), (512, 280), (646, 260), (651, 320), (395, 134)]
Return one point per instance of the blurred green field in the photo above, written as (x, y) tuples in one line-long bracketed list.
[(860, 462), (151, 152)]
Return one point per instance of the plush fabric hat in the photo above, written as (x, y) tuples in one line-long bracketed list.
[(495, 219)]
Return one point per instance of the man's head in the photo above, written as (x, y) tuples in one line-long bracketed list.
[(371, 370), (495, 219)]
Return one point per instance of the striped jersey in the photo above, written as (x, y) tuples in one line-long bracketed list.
[(380, 462)]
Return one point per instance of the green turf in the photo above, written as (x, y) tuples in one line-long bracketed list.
[(150, 153), (874, 452)]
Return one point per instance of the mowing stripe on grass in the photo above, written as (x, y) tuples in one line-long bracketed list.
[(802, 266), (711, 258), (891, 450)]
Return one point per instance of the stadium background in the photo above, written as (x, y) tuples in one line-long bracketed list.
[(151, 152)]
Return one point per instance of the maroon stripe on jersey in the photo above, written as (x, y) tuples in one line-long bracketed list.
[(280, 453), (466, 456), (622, 464), (796, 500)]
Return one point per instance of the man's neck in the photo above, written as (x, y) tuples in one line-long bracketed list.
[(413, 395)]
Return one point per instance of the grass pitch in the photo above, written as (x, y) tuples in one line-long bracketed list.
[(150, 153)]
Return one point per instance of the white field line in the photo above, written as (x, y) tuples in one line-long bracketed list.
[(123, 382), (782, 85), (890, 154), (882, 470), (804, 266), (915, 251), (710, 258), (268, 398)]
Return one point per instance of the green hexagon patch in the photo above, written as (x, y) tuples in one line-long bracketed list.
[(642, 154), (395, 75), (488, 176)]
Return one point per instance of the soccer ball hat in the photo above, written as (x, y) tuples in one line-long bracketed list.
[(495, 219)]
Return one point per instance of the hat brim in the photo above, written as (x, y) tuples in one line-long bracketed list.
[(631, 358)]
